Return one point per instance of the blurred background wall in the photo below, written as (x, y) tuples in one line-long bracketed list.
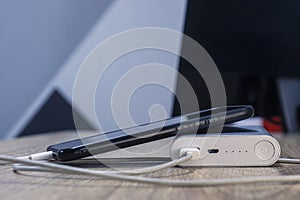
[(36, 38), (44, 42)]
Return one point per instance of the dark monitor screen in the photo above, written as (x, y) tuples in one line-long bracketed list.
[(250, 41), (248, 36)]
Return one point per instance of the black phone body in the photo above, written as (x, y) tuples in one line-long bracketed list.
[(101, 143)]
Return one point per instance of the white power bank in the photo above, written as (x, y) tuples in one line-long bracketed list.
[(250, 146)]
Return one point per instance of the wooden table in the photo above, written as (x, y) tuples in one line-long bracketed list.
[(38, 185)]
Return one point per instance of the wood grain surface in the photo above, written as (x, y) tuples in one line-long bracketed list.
[(38, 185)]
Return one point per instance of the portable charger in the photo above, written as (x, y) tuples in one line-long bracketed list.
[(249, 146)]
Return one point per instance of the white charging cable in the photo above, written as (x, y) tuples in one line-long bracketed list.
[(35, 160), (48, 155)]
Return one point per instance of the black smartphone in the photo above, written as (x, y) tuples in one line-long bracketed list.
[(149, 132)]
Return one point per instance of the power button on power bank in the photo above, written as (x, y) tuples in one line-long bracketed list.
[(264, 150)]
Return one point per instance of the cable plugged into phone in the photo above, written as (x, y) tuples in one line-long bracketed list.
[(48, 155)]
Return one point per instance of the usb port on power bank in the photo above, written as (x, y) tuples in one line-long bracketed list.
[(213, 150)]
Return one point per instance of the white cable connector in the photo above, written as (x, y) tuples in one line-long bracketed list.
[(48, 155), (192, 150)]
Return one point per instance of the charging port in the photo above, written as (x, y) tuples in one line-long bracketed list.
[(213, 150)]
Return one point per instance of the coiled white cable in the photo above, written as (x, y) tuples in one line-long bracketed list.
[(59, 168)]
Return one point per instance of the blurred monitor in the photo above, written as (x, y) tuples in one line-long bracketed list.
[(251, 41)]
